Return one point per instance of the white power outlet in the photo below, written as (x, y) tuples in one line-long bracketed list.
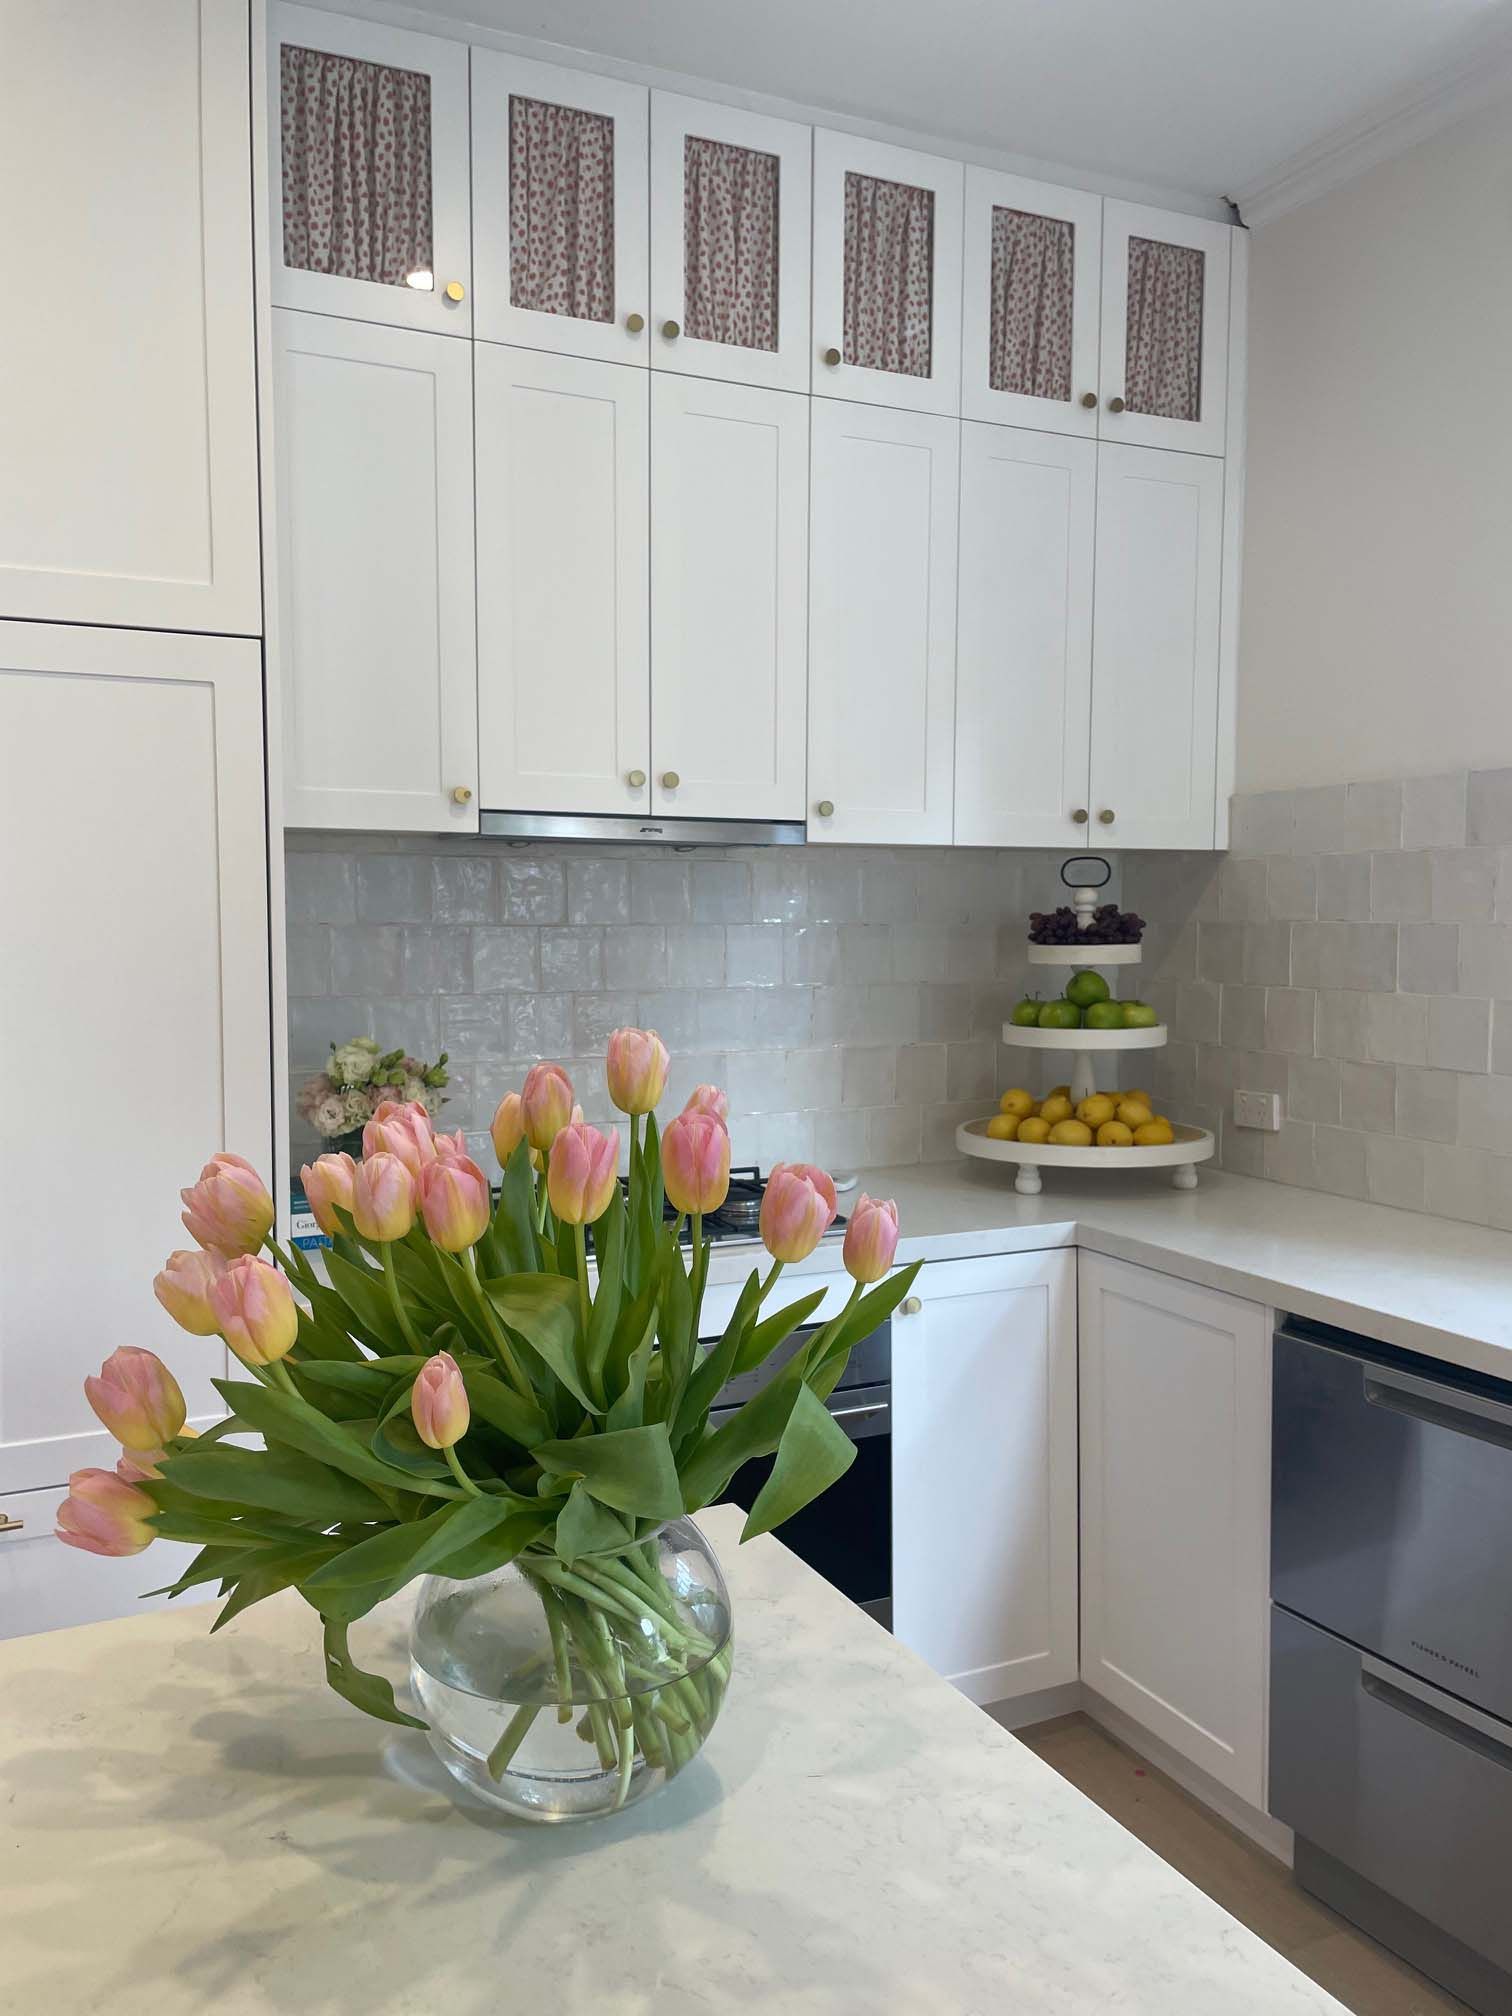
[(1258, 1109)]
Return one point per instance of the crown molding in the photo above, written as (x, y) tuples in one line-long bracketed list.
[(1392, 126)]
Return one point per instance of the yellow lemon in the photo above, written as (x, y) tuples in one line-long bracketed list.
[(1141, 1095), (1057, 1107), (1134, 1112), (1034, 1130), (1071, 1134), (1154, 1134), (1114, 1134), (1059, 1092), (1002, 1127), (1018, 1102), (1096, 1109)]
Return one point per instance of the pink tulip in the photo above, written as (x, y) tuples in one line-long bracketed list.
[(328, 1186), (708, 1099), (183, 1287), (104, 1515), (452, 1147), (695, 1155), (138, 1466), (454, 1202), (582, 1173), (508, 1129), (438, 1402), (871, 1238), (228, 1210), (546, 1103), (797, 1208), (402, 1130), (383, 1198), (137, 1398), (637, 1069), (257, 1315)]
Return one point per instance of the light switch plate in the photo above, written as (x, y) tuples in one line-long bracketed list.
[(1258, 1109)]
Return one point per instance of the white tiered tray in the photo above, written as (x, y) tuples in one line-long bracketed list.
[(1084, 955), (1191, 1146), (1031, 1038)]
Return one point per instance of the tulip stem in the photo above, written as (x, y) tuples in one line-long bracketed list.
[(280, 1373), (495, 1329), (396, 1302), (580, 1241), (459, 1473), (769, 1283)]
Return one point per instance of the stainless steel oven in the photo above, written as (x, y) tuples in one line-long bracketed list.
[(846, 1534)]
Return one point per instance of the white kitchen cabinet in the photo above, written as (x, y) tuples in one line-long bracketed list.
[(1165, 327), (134, 987), (1155, 627), (45, 1586), (1175, 1513), (128, 400), (1024, 637), (1030, 320), (984, 1473), (887, 274), (560, 208), (729, 595), (730, 215), (882, 625), (564, 676), (378, 634)]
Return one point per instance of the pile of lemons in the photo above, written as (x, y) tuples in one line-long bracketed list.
[(1105, 1120)]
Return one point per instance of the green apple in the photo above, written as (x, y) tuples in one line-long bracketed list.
[(1086, 987), (1026, 1013), (1106, 1015), (1060, 1015), (1138, 1015)]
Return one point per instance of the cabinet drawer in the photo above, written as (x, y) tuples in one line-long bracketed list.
[(45, 1585)]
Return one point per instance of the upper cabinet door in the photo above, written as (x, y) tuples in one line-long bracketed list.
[(128, 403), (1024, 638), (1032, 271), (730, 208), (729, 592), (564, 697), (378, 632), (1165, 315), (559, 183), (887, 274), (369, 171), (1155, 651), (882, 625)]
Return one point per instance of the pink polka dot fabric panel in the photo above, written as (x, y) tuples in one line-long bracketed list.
[(561, 210), (731, 207), (1163, 367), (356, 145), (889, 275), (1032, 275)]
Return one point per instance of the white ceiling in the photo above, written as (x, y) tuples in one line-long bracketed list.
[(1208, 97)]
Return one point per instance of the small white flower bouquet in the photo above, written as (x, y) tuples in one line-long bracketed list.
[(343, 1098)]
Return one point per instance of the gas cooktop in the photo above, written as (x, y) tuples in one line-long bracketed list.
[(739, 1217)]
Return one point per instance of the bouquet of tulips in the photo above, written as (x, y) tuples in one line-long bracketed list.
[(463, 1391)]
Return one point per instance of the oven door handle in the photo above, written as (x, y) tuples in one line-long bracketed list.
[(857, 1422), (1437, 1405)]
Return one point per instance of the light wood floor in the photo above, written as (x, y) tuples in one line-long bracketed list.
[(1256, 1888)]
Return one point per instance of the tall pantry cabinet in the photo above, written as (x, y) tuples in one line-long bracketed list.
[(134, 951)]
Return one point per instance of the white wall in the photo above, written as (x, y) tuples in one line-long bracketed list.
[(1377, 622)]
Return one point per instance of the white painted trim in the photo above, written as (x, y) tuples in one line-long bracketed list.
[(1392, 126), (1231, 590), (1027, 1710)]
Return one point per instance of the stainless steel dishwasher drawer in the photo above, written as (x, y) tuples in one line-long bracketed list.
[(1401, 1799), (1391, 1511)]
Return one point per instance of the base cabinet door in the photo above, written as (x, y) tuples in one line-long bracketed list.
[(378, 633), (984, 1473), (882, 625), (134, 984), (1175, 1508), (45, 1586)]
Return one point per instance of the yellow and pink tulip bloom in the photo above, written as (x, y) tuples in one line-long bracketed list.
[(404, 1130), (708, 1099), (228, 1210), (582, 1173), (438, 1402), (137, 1398), (636, 1068), (328, 1185), (695, 1157), (383, 1198), (103, 1514), (546, 1104), (256, 1310), (183, 1287), (871, 1239), (797, 1209), (454, 1202), (508, 1128)]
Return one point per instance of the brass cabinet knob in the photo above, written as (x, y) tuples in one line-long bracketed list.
[(670, 780), (461, 794), (671, 331), (1115, 405), (825, 808), (635, 324), (1105, 817), (911, 1307), (455, 291), (1080, 815), (1089, 398), (832, 355), (636, 779), (9, 1525)]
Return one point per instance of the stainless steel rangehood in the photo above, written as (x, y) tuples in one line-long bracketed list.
[(620, 828)]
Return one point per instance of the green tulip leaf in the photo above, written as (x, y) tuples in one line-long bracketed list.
[(502, 1408), (497, 1547), (514, 1232), (395, 1556), (764, 1337), (710, 1373), (278, 1480), (628, 1408), (629, 1468), (585, 1527), (541, 1310), (814, 1452), (754, 1429), (362, 1292), (281, 1418), (367, 1691)]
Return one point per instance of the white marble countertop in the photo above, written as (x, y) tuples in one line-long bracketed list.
[(1427, 1284), (188, 1825)]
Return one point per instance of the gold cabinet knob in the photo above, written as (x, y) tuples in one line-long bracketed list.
[(671, 331), (455, 292), (912, 1306), (636, 779), (1115, 405), (832, 355), (825, 808), (1105, 817), (1080, 815), (670, 780), (9, 1525), (635, 324), (461, 794), (1089, 398)]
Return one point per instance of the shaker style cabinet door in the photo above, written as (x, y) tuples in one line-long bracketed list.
[(139, 932), (729, 593), (730, 211), (378, 632), (369, 171), (128, 396), (887, 274), (1155, 625), (882, 625), (564, 694), (1165, 316), (559, 217), (1024, 637)]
